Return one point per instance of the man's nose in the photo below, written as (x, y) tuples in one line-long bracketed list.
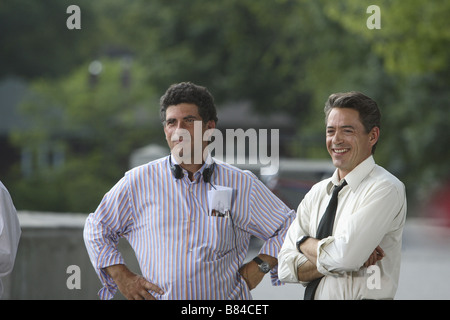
[(337, 138)]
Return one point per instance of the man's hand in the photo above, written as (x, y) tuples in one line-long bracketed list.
[(131, 285), (376, 255)]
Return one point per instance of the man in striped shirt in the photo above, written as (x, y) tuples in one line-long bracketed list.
[(185, 249)]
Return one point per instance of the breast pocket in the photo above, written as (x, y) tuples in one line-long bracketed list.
[(221, 235)]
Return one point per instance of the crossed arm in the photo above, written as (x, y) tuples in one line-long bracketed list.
[(308, 271), (356, 242)]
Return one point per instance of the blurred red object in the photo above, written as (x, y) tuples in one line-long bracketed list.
[(439, 204)]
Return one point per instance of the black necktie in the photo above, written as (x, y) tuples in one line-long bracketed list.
[(324, 230)]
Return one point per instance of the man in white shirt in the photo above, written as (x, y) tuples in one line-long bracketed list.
[(9, 234), (361, 257)]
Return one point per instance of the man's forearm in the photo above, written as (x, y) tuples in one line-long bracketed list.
[(251, 273), (309, 249), (308, 271), (116, 270)]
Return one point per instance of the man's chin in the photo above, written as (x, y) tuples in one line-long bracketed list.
[(339, 164)]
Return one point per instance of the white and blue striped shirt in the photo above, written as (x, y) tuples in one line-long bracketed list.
[(180, 248)]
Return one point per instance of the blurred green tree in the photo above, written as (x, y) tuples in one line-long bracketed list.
[(413, 45), (35, 41), (281, 55), (91, 127), (241, 50)]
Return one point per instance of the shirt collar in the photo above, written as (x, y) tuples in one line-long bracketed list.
[(208, 162), (354, 177)]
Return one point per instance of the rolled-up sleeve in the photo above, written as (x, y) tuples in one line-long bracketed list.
[(289, 258), (102, 231)]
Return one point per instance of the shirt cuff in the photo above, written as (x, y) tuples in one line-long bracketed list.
[(288, 269), (109, 286), (321, 254), (269, 250), (109, 289)]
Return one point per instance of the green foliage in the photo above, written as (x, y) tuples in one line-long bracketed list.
[(35, 41), (414, 37), (281, 55), (97, 126), (413, 46)]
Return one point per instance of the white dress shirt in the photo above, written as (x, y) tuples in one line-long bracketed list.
[(371, 211), (9, 234)]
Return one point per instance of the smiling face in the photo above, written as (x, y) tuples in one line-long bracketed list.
[(347, 141)]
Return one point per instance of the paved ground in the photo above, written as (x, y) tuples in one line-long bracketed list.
[(425, 272)]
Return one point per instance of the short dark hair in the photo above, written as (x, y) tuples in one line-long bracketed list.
[(369, 113), (188, 92)]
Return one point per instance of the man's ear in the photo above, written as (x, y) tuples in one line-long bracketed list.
[(211, 124), (374, 134)]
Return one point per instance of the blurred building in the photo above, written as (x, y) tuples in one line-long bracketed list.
[(12, 91)]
